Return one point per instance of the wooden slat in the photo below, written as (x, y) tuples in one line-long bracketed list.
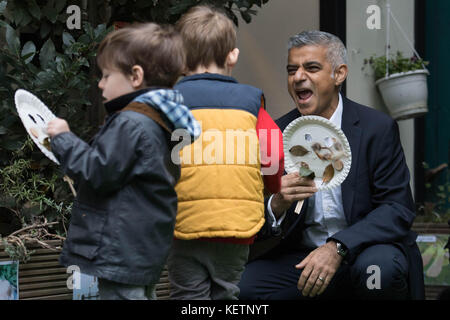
[(44, 257), (43, 292), (42, 271), (433, 228), (432, 292), (37, 278), (163, 295), (45, 251), (431, 231), (68, 296), (40, 285), (430, 225), (5, 259), (35, 265), (160, 288)]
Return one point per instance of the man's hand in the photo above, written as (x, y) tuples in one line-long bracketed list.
[(293, 188), (57, 126), (319, 268)]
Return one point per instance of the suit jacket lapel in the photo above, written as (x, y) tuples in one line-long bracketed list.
[(353, 133)]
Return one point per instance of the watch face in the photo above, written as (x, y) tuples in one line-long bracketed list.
[(341, 251)]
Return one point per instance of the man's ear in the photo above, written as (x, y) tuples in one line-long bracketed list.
[(232, 58), (137, 77), (340, 74)]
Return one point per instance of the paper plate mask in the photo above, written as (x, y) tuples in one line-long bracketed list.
[(315, 147), (35, 115)]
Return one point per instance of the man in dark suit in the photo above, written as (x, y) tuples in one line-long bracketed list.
[(353, 241)]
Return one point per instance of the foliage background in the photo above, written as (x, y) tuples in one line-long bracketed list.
[(38, 53), (397, 64)]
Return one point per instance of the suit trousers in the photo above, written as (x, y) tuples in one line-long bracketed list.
[(379, 272)]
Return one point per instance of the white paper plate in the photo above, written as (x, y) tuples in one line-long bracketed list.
[(34, 115), (308, 130)]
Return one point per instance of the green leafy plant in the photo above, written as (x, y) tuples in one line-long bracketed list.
[(436, 207), (397, 63), (40, 55), (163, 11)]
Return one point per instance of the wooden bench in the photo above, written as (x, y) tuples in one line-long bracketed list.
[(42, 277), (163, 286)]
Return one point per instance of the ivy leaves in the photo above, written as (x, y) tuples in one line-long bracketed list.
[(47, 55), (28, 52), (170, 11), (59, 76), (37, 18)]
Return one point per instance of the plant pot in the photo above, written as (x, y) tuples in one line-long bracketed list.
[(405, 94)]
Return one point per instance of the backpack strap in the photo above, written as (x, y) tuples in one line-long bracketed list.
[(155, 115), (150, 112)]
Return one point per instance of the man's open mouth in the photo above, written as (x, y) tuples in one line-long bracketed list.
[(304, 95)]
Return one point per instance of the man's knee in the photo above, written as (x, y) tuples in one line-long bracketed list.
[(247, 292), (381, 271), (264, 278), (247, 286)]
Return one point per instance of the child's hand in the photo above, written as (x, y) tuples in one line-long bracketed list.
[(57, 126)]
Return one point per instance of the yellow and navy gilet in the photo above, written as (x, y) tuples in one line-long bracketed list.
[(220, 192)]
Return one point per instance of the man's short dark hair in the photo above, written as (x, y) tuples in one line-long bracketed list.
[(336, 51)]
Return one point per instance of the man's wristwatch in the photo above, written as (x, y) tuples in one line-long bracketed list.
[(341, 250)]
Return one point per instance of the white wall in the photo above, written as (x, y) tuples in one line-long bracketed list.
[(362, 43), (263, 46)]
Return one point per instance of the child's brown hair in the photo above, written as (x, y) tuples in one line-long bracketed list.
[(208, 36), (157, 49)]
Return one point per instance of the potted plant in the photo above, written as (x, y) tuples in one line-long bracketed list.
[(402, 84)]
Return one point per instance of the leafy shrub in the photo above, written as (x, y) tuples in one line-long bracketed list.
[(397, 64)]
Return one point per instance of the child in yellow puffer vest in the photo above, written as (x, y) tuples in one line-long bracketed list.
[(221, 189)]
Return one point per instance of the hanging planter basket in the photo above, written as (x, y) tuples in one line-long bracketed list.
[(402, 82), (405, 94)]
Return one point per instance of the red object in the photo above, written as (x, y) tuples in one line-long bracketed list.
[(272, 182)]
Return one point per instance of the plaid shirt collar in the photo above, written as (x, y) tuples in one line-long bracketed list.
[(170, 103)]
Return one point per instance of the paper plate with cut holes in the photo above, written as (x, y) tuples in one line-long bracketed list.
[(315, 147), (35, 115)]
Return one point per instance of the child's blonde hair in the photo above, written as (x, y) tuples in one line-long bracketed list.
[(157, 49), (208, 36)]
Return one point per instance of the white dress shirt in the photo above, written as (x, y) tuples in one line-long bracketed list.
[(325, 213)]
